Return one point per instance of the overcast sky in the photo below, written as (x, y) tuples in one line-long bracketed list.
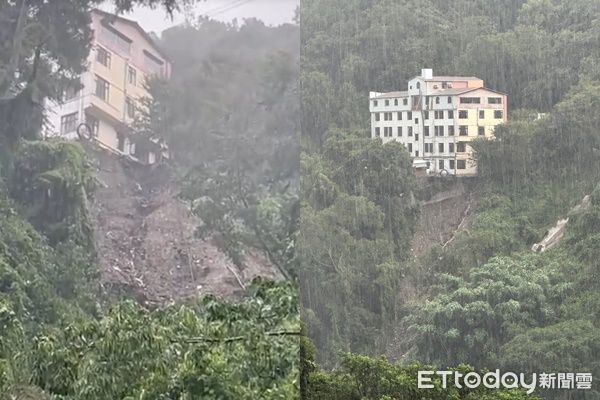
[(272, 12)]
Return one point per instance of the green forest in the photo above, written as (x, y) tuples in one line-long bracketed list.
[(228, 115), (334, 211), (486, 300)]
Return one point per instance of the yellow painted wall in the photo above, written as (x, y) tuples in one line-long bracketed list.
[(116, 78), (473, 122)]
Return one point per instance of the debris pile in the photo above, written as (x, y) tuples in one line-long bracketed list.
[(145, 239)]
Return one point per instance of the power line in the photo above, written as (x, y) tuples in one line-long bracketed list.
[(222, 7), (229, 7)]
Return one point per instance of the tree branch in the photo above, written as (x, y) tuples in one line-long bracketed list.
[(202, 339), (7, 77)]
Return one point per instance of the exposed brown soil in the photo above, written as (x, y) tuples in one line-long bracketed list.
[(441, 217), (145, 239)]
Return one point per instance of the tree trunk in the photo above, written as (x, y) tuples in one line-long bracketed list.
[(8, 75)]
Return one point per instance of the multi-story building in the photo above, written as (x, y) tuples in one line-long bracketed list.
[(123, 56), (437, 118)]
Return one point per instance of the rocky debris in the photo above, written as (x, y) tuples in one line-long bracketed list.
[(555, 234), (146, 244)]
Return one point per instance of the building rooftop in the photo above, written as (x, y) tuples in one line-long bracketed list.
[(390, 95), (113, 17), (453, 78), (437, 92)]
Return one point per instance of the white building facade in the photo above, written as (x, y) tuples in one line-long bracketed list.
[(436, 118)]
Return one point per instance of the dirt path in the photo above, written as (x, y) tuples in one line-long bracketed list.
[(145, 239)]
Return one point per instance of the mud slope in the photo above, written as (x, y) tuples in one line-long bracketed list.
[(446, 213), (145, 239)]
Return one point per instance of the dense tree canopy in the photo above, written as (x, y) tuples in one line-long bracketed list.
[(60, 338), (484, 298)]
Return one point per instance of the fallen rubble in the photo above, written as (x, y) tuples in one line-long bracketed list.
[(145, 241)]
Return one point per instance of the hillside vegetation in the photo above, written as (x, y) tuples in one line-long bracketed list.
[(60, 336), (486, 299)]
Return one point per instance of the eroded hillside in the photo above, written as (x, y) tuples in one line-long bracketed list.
[(145, 238)]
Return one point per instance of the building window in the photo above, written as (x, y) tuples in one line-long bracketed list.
[(418, 85), (103, 57), (153, 64), (70, 93), (441, 131), (405, 101), (461, 147), (426, 131), (481, 114), (461, 164), (377, 132), (450, 147), (410, 147), (449, 100), (438, 114), (494, 100), (498, 114), (451, 164), (462, 114), (129, 107), (481, 131), (470, 100), (399, 131), (437, 100), (93, 123), (425, 114), (410, 131), (374, 103), (399, 115), (120, 141), (416, 120), (395, 102), (462, 130), (416, 137), (451, 130), (409, 115), (416, 153), (441, 164), (450, 114), (112, 37), (131, 75), (377, 117), (387, 102), (440, 147), (68, 123), (102, 88)]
